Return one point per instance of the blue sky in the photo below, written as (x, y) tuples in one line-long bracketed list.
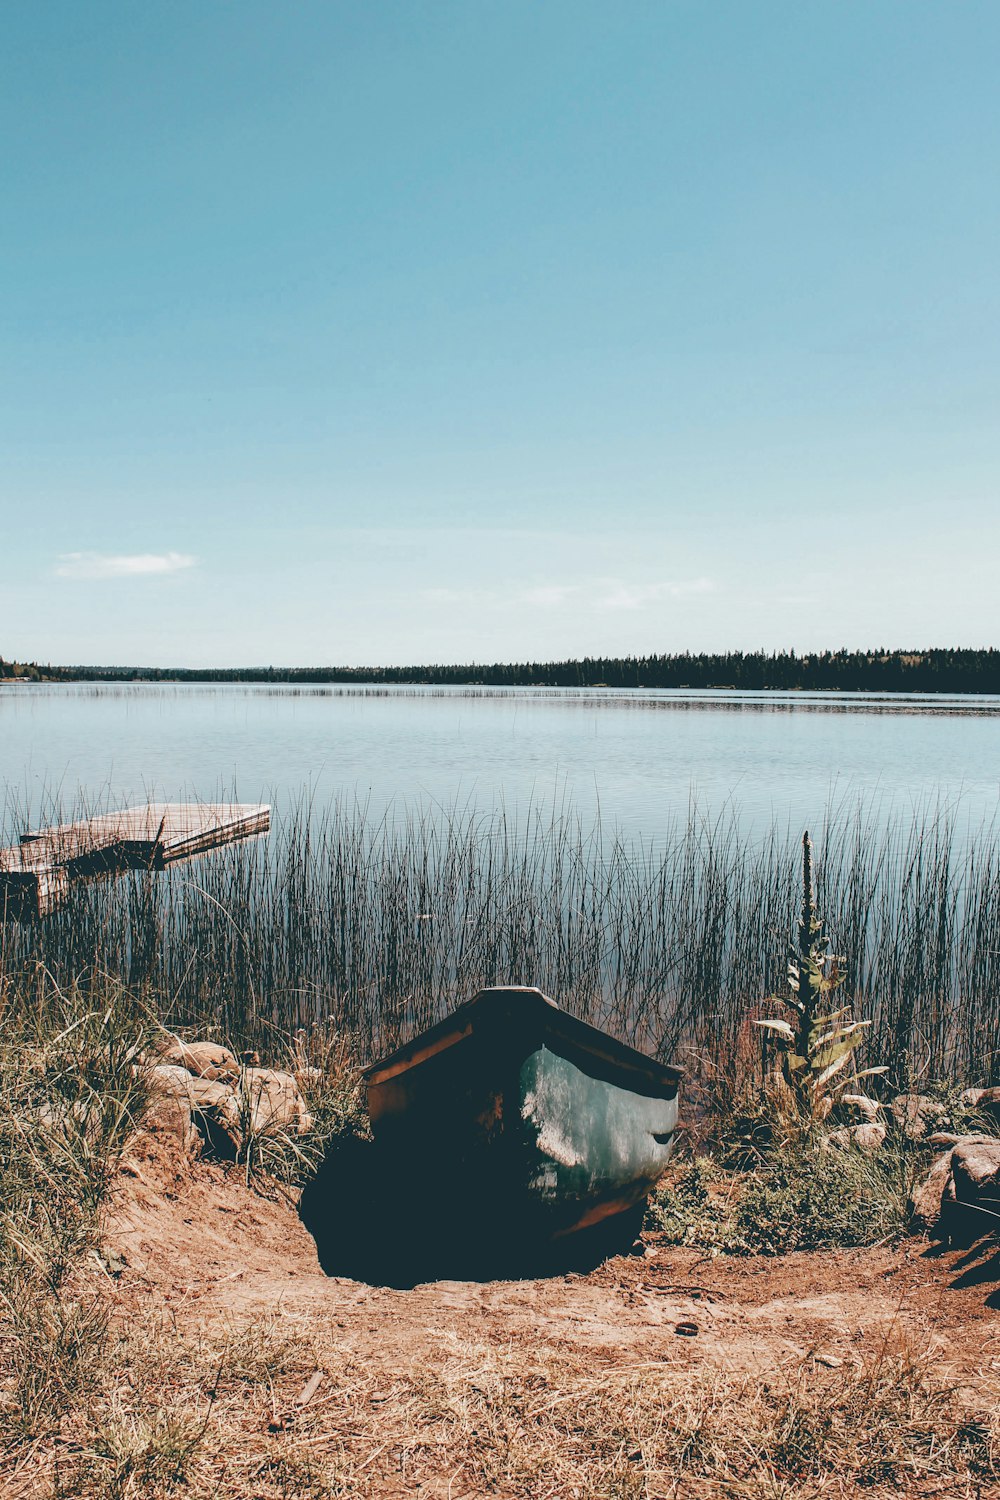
[(386, 333)]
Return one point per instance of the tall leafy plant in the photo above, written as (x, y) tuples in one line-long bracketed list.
[(817, 1044)]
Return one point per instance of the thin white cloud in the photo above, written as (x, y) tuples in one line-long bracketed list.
[(631, 596), (602, 594), (548, 595), (458, 596), (132, 565), (542, 596)]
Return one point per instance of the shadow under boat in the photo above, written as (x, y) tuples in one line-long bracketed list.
[(510, 1140)]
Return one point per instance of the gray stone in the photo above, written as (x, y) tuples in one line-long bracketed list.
[(211, 1107), (216, 1113), (975, 1167), (959, 1200), (168, 1078), (259, 1101), (70, 1120), (208, 1093), (869, 1109), (985, 1102)]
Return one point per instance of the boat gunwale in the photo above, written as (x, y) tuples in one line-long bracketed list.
[(553, 1023)]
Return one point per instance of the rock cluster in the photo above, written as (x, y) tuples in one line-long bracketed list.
[(983, 1102), (958, 1200), (201, 1089)]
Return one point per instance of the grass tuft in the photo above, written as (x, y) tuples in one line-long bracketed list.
[(799, 1197), (71, 1091)]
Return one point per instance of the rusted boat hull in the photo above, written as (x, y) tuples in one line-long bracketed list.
[(520, 1120)]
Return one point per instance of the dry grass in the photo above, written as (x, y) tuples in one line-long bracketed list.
[(70, 1096), (218, 1418), (105, 1398)]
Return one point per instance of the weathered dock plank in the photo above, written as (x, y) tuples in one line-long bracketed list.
[(35, 873)]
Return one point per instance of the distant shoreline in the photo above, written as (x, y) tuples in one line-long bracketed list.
[(936, 670)]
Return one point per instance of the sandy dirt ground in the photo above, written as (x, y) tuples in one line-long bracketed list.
[(212, 1249), (458, 1389), (219, 1257)]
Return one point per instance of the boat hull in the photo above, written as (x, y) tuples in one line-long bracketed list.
[(521, 1124)]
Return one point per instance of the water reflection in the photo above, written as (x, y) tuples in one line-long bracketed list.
[(637, 761)]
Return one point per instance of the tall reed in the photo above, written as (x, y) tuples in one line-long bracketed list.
[(380, 925)]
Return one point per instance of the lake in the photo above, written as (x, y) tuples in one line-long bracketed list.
[(379, 921), (640, 759)]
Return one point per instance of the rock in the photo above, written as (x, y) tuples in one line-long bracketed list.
[(867, 1137), (70, 1120), (985, 1102), (870, 1109), (959, 1200), (168, 1078), (257, 1101), (207, 1104), (978, 1156), (975, 1172), (209, 1094), (211, 1107), (925, 1199), (200, 1093), (216, 1113), (916, 1114), (271, 1101), (203, 1059), (170, 1115)]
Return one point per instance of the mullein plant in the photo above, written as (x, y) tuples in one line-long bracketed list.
[(816, 1047)]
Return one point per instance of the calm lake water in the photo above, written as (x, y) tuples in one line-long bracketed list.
[(640, 759)]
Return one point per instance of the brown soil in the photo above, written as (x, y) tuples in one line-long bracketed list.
[(213, 1250), (212, 1258)]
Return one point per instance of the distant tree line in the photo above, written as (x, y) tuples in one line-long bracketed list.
[(882, 671)]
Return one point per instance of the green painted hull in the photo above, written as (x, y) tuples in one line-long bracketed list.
[(517, 1120)]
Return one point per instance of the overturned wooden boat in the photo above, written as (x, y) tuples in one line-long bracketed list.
[(523, 1122)]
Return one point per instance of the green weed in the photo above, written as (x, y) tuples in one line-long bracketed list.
[(801, 1197)]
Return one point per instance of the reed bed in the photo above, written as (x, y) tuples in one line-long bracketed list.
[(377, 927)]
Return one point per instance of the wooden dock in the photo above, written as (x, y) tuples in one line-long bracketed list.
[(35, 873)]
